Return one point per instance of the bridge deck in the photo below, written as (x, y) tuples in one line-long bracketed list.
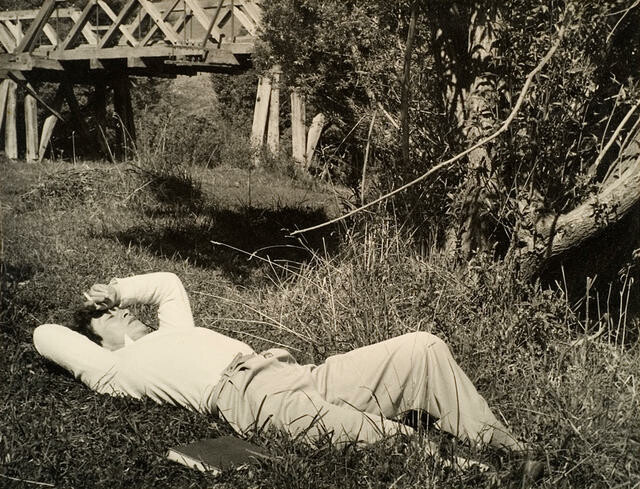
[(143, 37)]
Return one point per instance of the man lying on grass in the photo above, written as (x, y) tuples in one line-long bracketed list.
[(354, 396)]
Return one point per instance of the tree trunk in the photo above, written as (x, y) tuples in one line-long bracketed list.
[(558, 236)]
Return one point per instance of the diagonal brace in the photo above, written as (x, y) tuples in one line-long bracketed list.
[(78, 26), (28, 41), (153, 12), (155, 27), (118, 20)]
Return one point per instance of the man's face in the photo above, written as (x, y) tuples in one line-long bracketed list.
[(114, 324)]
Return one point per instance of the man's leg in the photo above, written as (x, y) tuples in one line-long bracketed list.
[(268, 392), (413, 371)]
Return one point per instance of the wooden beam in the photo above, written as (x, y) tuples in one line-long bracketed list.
[(80, 21), (31, 14), (137, 22), (4, 87), (31, 127), (15, 30), (51, 34), (317, 124), (88, 31), (11, 133), (50, 124), (298, 128), (115, 19), (245, 20), (216, 58), (117, 25), (45, 138), (212, 25), (155, 27), (7, 39), (27, 62), (18, 78), (273, 130), (260, 113), (167, 30), (253, 11), (29, 39), (124, 52), (202, 17)]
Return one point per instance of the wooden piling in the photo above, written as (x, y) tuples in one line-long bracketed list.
[(47, 131), (260, 113), (31, 127), (4, 87), (50, 123), (11, 133), (298, 129), (314, 135), (273, 132)]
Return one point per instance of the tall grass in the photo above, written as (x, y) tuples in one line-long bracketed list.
[(571, 395)]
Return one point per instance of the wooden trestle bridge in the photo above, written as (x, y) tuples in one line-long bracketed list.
[(101, 46)]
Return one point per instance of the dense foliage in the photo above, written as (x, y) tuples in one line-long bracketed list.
[(349, 58)]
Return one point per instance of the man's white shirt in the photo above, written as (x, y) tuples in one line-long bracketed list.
[(178, 363)]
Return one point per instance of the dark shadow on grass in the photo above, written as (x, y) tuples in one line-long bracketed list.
[(263, 232)]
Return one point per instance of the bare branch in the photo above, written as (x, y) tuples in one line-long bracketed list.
[(593, 169), (505, 125)]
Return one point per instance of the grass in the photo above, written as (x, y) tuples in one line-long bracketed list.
[(65, 227)]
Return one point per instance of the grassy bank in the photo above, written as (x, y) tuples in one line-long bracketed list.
[(67, 226)]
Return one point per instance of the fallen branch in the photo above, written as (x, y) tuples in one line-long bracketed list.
[(505, 125)]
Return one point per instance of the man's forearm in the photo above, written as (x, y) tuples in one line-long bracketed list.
[(162, 289)]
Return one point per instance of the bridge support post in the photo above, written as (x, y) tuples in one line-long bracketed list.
[(50, 123), (314, 136), (47, 131), (260, 114), (31, 127), (11, 133), (273, 130), (298, 128), (4, 88)]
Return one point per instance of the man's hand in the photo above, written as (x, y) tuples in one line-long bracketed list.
[(102, 297)]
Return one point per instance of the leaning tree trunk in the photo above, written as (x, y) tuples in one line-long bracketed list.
[(558, 236)]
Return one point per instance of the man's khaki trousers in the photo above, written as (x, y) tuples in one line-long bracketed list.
[(354, 396)]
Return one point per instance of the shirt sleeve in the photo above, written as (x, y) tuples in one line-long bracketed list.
[(93, 365), (162, 289)]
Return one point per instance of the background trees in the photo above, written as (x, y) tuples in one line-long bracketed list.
[(565, 149)]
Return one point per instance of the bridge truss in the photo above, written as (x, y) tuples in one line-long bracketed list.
[(101, 46)]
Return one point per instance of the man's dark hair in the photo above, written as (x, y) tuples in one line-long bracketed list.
[(82, 323)]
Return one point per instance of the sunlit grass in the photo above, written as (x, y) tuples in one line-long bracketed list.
[(68, 226)]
